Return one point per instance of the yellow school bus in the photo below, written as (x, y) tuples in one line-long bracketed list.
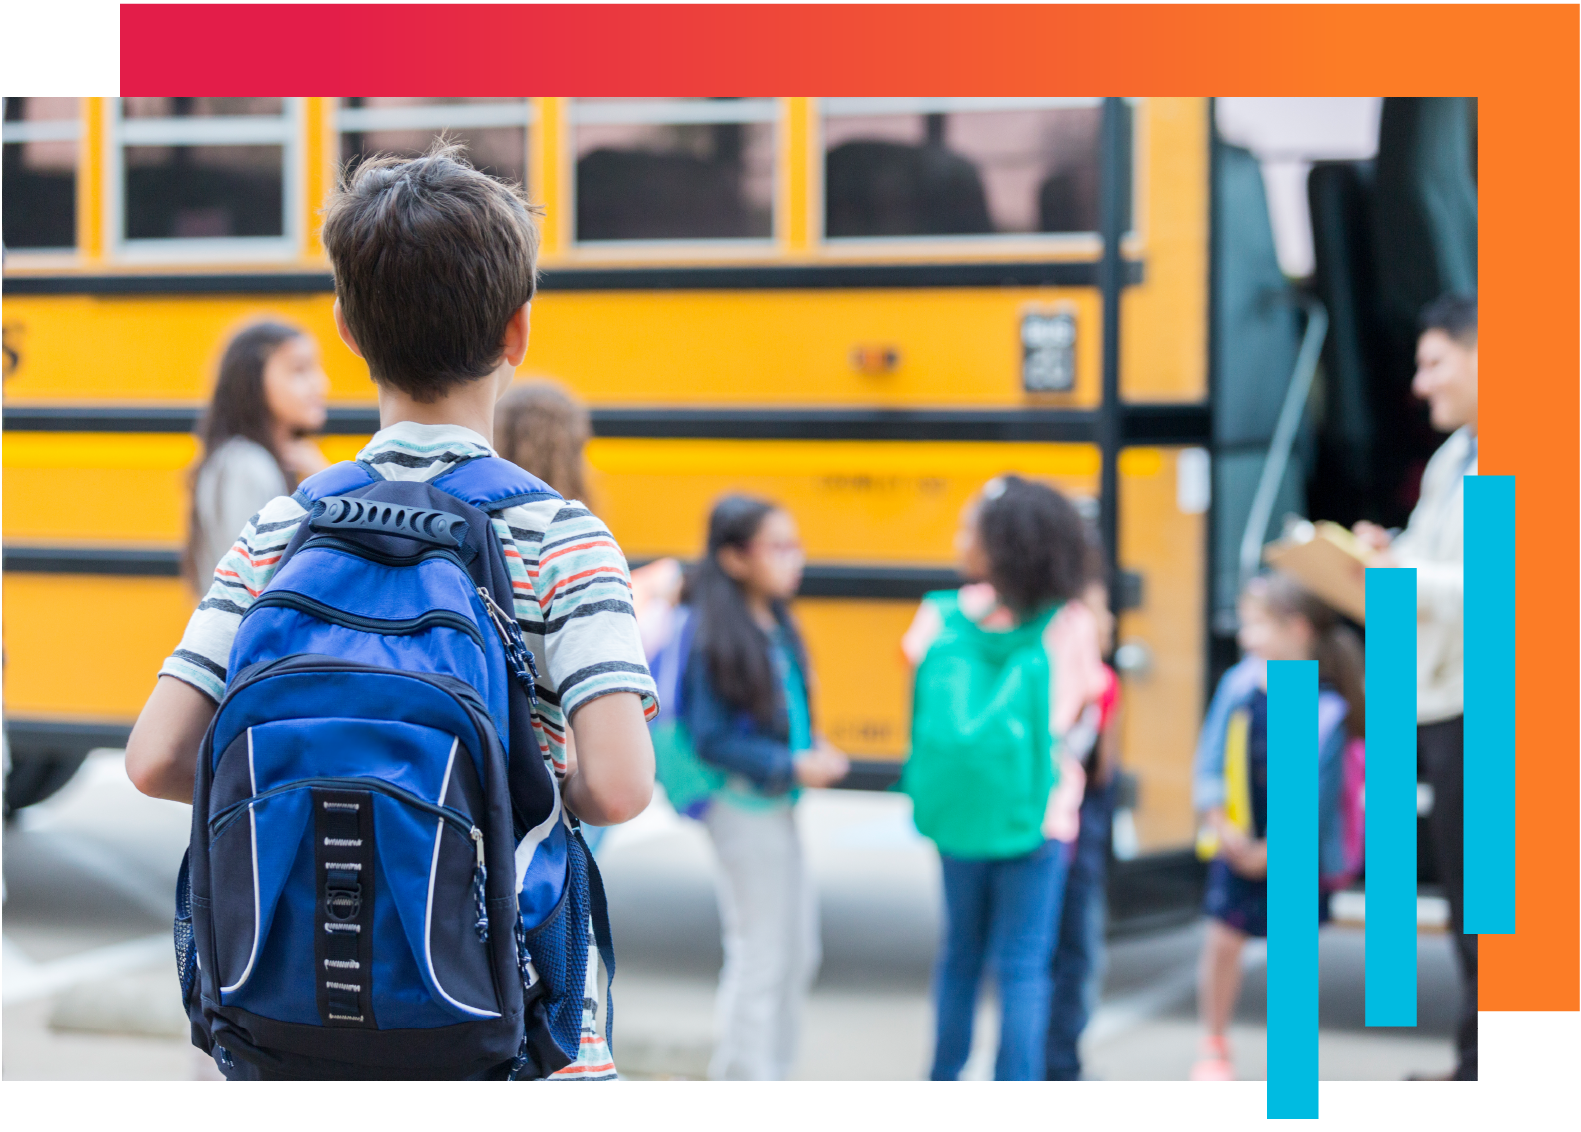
[(863, 308)]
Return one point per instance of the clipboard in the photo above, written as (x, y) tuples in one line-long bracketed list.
[(1326, 559)]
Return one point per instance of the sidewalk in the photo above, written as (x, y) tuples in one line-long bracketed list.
[(89, 979)]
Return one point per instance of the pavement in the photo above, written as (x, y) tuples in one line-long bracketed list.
[(87, 977)]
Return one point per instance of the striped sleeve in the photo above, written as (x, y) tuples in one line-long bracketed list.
[(573, 600), (205, 647)]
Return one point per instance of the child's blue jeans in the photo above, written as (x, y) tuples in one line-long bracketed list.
[(1000, 914), (1078, 951)]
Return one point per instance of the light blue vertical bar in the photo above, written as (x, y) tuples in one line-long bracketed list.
[(1292, 890), (1391, 797), (1489, 809)]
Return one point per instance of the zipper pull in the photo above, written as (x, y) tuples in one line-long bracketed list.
[(517, 654), (480, 876)]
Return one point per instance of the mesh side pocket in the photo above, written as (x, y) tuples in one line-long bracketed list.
[(558, 949), (186, 953)]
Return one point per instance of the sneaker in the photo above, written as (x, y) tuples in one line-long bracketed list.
[(1213, 1061)]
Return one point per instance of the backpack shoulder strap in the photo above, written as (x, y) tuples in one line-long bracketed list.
[(337, 479), (492, 484)]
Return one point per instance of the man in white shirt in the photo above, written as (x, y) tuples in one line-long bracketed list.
[(1432, 542)]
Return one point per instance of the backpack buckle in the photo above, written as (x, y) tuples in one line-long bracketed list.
[(343, 896)]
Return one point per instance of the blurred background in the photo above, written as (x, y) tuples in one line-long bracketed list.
[(862, 308)]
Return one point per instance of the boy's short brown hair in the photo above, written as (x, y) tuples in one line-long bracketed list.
[(431, 259)]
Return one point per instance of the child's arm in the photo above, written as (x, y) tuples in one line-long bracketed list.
[(719, 741), (162, 753), (924, 630), (1246, 856), (612, 781)]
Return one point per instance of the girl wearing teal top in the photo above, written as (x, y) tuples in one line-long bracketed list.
[(744, 708)]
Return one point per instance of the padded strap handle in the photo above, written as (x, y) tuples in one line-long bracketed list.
[(345, 513)]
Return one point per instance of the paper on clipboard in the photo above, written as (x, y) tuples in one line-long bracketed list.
[(1326, 559)]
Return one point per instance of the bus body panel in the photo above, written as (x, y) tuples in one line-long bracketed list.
[(877, 516)]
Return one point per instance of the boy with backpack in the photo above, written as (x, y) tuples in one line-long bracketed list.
[(386, 877)]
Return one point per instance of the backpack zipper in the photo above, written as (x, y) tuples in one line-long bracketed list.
[(357, 550), (455, 818), (517, 654), (393, 627), (298, 664), (480, 876), (302, 663)]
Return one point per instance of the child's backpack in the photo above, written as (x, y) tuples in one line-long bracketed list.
[(981, 763), (381, 881), (689, 783), (1352, 817), (1342, 781)]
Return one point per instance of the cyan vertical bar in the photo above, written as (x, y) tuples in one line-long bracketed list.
[(1391, 797), (1292, 890), (1489, 809)]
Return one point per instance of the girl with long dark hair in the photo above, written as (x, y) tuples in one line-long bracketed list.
[(746, 708), (268, 399)]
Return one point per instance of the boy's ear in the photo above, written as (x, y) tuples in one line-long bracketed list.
[(345, 331), (516, 333)]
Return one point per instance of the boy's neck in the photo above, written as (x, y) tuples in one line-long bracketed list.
[(470, 405)]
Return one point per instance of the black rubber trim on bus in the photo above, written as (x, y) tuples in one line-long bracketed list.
[(873, 582), (153, 562), (1140, 423), (36, 738), (733, 277), (342, 421)]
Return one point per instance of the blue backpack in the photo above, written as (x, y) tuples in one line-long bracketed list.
[(381, 881)]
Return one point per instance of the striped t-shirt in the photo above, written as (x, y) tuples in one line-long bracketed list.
[(573, 602), (572, 587)]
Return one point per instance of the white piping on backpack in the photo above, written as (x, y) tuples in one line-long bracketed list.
[(533, 838), (252, 819), (428, 915)]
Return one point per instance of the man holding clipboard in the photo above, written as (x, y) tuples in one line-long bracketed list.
[(1432, 543)]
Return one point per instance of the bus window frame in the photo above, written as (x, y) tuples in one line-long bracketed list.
[(1059, 246), (285, 130), (513, 113), (686, 249), (50, 129)]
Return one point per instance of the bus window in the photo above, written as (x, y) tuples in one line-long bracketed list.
[(493, 130), (40, 173), (960, 166), (202, 107), (204, 170), (674, 169)]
